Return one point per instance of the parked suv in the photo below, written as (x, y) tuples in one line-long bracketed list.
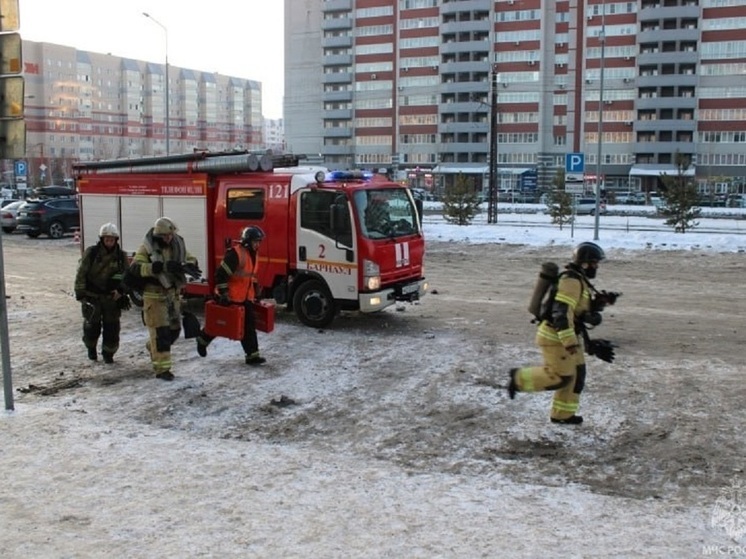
[(53, 217)]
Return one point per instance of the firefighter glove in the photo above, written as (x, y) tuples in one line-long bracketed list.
[(174, 267), (156, 267), (603, 349), (223, 298), (192, 270), (591, 318), (79, 296), (124, 303)]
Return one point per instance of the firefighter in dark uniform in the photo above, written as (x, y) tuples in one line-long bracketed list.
[(236, 283), (98, 286), (560, 338), (160, 263)]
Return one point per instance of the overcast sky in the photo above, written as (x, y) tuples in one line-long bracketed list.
[(242, 38)]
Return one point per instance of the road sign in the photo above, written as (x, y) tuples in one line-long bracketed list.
[(21, 169), (574, 163)]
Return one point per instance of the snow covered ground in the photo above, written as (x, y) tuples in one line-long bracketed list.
[(386, 447)]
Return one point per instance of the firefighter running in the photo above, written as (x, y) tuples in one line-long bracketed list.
[(160, 263), (98, 286), (562, 337), (236, 284)]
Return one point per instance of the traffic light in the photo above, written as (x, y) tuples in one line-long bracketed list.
[(12, 126)]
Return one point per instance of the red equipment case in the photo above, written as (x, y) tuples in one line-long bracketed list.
[(225, 321), (264, 316)]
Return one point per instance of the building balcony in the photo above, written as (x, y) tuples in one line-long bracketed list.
[(336, 5), (337, 77), (336, 96), (465, 6), (337, 23), (470, 26), (458, 47), (337, 132), (336, 42)]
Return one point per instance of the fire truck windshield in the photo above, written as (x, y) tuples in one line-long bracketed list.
[(386, 213)]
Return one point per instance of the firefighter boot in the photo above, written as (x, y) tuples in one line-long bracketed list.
[(512, 388), (108, 357), (165, 375), (255, 359), (92, 354), (572, 420), (201, 348)]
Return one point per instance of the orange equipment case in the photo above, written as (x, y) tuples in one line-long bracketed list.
[(225, 321), (264, 316)]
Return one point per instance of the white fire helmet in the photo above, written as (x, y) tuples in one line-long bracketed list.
[(108, 230), (164, 226)]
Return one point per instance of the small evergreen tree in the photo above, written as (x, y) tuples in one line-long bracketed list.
[(460, 201), (559, 202), (680, 198)]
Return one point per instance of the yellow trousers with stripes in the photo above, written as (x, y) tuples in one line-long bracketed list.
[(162, 315), (562, 372)]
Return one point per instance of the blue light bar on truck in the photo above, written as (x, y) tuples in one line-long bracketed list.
[(345, 175)]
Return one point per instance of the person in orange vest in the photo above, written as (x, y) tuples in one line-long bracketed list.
[(237, 284)]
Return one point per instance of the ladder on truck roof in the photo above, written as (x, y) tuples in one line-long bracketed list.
[(197, 162)]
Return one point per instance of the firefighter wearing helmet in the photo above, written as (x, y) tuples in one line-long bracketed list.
[(159, 264), (561, 335), (236, 283), (99, 288)]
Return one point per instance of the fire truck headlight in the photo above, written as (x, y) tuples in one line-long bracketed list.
[(371, 275)]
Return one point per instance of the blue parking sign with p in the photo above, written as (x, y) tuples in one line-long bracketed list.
[(574, 162), (20, 168)]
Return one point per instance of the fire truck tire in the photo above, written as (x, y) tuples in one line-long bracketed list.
[(314, 304)]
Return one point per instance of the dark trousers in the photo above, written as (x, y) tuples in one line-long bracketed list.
[(102, 315), (249, 342)]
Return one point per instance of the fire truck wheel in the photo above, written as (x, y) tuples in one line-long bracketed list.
[(314, 304)]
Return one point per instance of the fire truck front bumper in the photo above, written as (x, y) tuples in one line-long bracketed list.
[(373, 302)]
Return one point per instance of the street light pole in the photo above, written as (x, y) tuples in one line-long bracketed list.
[(602, 37), (494, 176), (168, 119)]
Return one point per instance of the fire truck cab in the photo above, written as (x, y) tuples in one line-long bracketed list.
[(333, 240)]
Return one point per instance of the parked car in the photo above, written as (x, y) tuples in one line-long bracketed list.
[(630, 198), (587, 206), (51, 216), (8, 215), (6, 201), (737, 201)]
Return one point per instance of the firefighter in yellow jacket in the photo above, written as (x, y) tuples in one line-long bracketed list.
[(159, 262), (236, 283), (560, 338)]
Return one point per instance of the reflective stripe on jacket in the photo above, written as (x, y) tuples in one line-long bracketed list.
[(575, 295)]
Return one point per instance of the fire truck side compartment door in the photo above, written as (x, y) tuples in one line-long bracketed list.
[(190, 215), (95, 211), (138, 216)]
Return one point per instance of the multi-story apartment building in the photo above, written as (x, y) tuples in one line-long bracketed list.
[(83, 106), (409, 84), (274, 134)]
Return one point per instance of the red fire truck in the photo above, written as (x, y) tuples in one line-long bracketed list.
[(334, 241)]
